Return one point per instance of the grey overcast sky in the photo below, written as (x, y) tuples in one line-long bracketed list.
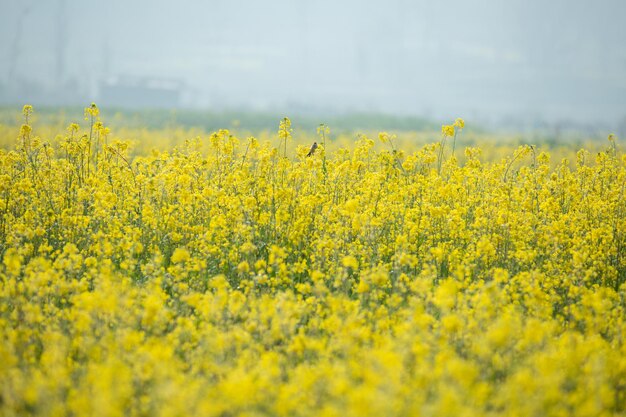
[(490, 59)]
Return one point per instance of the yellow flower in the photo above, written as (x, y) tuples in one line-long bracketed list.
[(447, 130), (243, 267), (25, 130), (363, 287), (180, 255), (92, 111), (12, 261), (350, 261), (284, 128)]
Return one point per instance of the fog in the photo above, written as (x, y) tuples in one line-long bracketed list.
[(515, 61)]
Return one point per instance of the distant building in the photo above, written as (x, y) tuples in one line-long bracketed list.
[(135, 92)]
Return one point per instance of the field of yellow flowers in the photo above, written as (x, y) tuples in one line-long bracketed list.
[(239, 277)]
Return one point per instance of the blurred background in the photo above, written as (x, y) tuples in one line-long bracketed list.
[(521, 64)]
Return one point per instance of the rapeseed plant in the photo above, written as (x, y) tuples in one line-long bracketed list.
[(217, 278)]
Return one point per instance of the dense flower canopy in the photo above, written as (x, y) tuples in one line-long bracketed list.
[(224, 278)]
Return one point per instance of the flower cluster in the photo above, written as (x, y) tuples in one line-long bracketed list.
[(222, 278)]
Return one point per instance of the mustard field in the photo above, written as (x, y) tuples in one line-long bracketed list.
[(237, 276)]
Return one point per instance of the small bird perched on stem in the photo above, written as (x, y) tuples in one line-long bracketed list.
[(312, 150)]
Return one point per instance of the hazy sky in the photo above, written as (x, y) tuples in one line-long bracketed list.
[(488, 59)]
